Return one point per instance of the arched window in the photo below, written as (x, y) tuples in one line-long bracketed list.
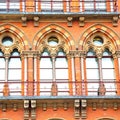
[(14, 73), (108, 73), (61, 68), (92, 71), (2, 71), (100, 70), (45, 73)]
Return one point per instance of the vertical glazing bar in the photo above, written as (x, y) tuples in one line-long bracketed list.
[(6, 69)]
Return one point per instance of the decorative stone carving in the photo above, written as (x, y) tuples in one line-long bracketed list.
[(77, 53), (104, 106), (77, 108), (81, 21), (69, 19), (54, 106), (33, 109), (115, 21), (24, 21), (94, 106), (44, 106), (115, 106), (65, 105), (4, 107), (36, 21), (26, 110), (30, 53), (83, 109), (15, 107)]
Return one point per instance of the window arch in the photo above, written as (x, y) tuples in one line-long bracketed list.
[(61, 66), (45, 73), (108, 67), (2, 71), (92, 71), (14, 73), (100, 62)]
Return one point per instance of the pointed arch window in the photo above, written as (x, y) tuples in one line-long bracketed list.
[(61, 66), (108, 72), (2, 71), (97, 70), (45, 73), (14, 73), (92, 72)]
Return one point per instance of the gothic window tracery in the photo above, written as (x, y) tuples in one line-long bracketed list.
[(100, 67), (10, 66), (53, 62)]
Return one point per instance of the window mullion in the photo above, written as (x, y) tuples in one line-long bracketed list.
[(53, 69), (6, 68), (100, 69)]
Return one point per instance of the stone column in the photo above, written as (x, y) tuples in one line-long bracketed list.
[(6, 91), (101, 89)]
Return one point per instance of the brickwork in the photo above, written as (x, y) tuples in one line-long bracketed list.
[(75, 33)]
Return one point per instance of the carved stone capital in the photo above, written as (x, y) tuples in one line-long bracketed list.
[(77, 53), (30, 53)]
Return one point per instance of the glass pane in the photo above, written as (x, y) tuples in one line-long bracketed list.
[(61, 53), (15, 53), (61, 73), (3, 5), (14, 5), (45, 73), (89, 5), (15, 63), (57, 5), (61, 63), (108, 73), (98, 41), (53, 41), (90, 53), (92, 89), (2, 74), (110, 88), (92, 74), (45, 63), (107, 53), (107, 63), (2, 63), (7, 41), (45, 5), (14, 74), (91, 63), (101, 5)]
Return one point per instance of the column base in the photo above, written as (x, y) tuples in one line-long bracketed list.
[(6, 91), (101, 89), (54, 89)]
